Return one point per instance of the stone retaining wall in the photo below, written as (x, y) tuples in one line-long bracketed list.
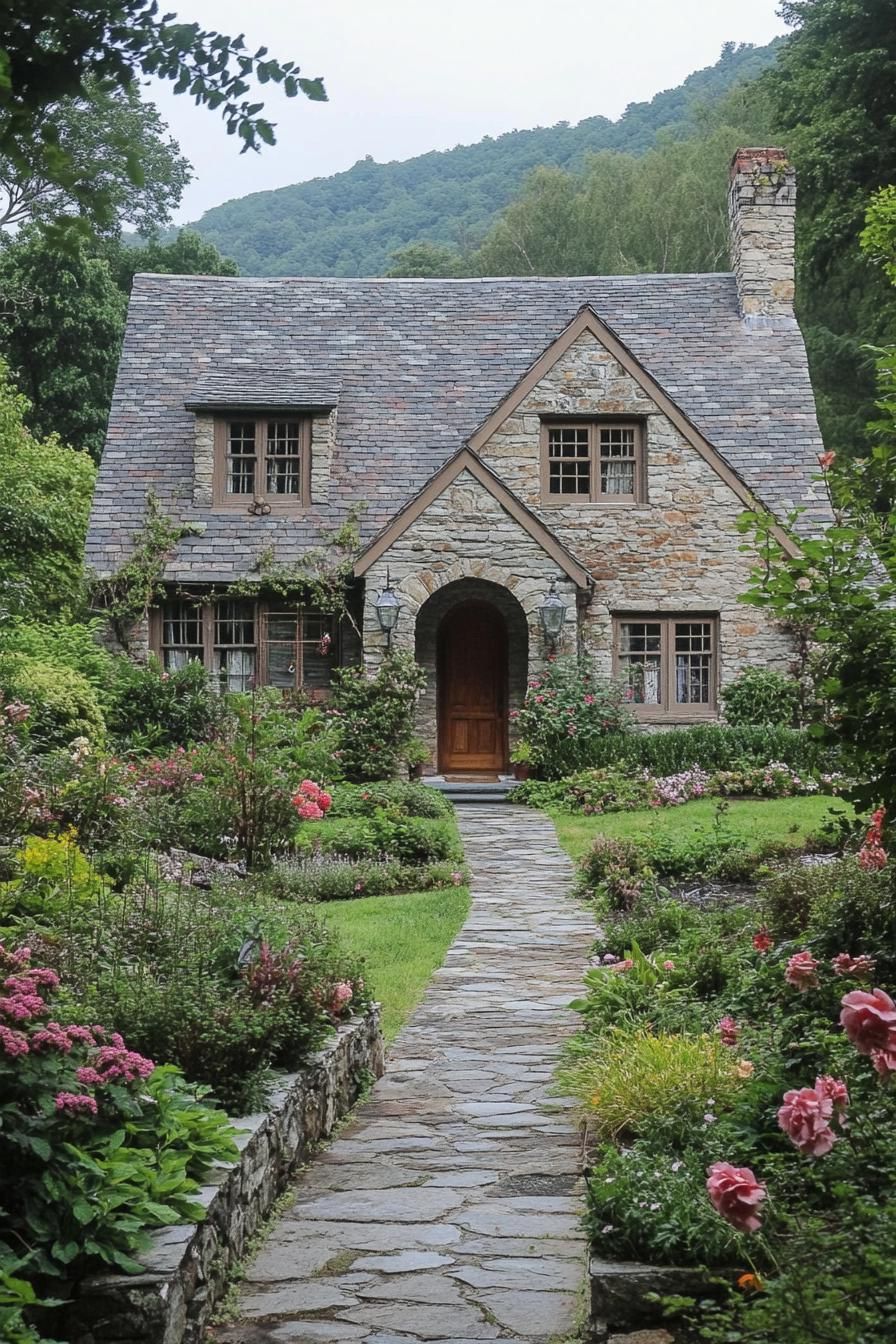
[(186, 1268)]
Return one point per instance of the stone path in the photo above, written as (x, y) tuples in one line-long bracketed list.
[(449, 1210)]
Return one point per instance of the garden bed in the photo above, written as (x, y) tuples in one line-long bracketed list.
[(185, 1271)]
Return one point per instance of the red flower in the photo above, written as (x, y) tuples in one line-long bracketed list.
[(762, 940), (736, 1194), (826, 460), (869, 1020)]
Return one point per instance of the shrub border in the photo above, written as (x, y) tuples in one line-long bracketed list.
[(186, 1268)]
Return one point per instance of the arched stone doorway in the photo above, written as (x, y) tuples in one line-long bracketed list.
[(472, 638)]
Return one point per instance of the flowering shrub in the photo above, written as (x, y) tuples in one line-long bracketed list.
[(96, 1143), (616, 872), (53, 878), (673, 790), (772, 780), (311, 802), (566, 711), (760, 695), (62, 703), (375, 715)]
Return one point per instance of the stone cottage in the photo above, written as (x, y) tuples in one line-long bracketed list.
[(540, 465)]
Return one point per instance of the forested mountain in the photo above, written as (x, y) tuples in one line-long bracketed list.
[(352, 223)]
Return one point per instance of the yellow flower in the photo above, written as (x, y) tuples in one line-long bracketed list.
[(745, 1068), (595, 1099)]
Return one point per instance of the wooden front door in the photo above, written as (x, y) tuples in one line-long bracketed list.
[(472, 672)]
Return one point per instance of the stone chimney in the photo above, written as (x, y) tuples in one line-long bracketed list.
[(761, 213)]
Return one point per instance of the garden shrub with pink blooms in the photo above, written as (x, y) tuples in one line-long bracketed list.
[(567, 709), (97, 1143), (737, 1067)]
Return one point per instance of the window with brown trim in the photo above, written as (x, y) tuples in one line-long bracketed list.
[(596, 462), (265, 458), (667, 664), (245, 643)]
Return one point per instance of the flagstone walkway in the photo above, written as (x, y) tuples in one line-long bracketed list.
[(449, 1209)]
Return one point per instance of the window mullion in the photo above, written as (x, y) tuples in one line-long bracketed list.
[(208, 637), (594, 459), (668, 674)]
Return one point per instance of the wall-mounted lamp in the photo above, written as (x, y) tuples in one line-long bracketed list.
[(553, 613), (388, 609)]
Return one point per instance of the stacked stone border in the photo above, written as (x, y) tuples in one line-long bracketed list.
[(186, 1269)]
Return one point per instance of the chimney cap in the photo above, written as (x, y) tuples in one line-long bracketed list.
[(749, 159)]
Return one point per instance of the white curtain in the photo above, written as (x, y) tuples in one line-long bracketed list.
[(618, 478)]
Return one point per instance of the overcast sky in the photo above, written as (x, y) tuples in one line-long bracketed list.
[(406, 76)]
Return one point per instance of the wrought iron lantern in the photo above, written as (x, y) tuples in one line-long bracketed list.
[(388, 609), (553, 613)]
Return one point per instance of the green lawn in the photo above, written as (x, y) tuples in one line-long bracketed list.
[(753, 822), (402, 940)]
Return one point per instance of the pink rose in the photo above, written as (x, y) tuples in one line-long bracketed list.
[(844, 964), (884, 1060), (736, 1194), (805, 1118), (625, 965), (834, 1089), (869, 1020), (801, 971)]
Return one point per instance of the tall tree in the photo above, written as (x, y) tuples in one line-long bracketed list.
[(105, 134), (44, 506), (60, 331), (62, 320), (834, 95), (48, 51)]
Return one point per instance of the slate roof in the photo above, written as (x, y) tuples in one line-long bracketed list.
[(417, 365)]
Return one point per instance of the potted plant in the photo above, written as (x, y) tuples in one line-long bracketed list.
[(416, 755), (521, 758)]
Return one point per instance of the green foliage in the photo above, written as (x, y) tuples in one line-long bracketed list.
[(837, 907), (63, 704), (761, 695), (617, 873), (567, 712), (53, 878), (628, 1075), (376, 714), (83, 1182), (111, 44), (417, 217), (61, 334), (44, 506), (187, 254), (411, 840), (66, 644), (101, 132), (159, 709), (126, 596), (414, 800)]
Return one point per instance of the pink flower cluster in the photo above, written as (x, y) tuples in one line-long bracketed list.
[(729, 1031), (673, 790), (76, 1103), (169, 775), (806, 1115), (114, 1063), (22, 1001), (872, 855), (341, 996), (311, 802)]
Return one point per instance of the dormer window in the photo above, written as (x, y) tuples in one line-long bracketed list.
[(262, 461), (592, 462)]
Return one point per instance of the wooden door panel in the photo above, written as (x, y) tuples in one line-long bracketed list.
[(472, 671)]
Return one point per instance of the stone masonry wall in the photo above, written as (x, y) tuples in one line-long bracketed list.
[(185, 1270), (677, 552), (465, 534)]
